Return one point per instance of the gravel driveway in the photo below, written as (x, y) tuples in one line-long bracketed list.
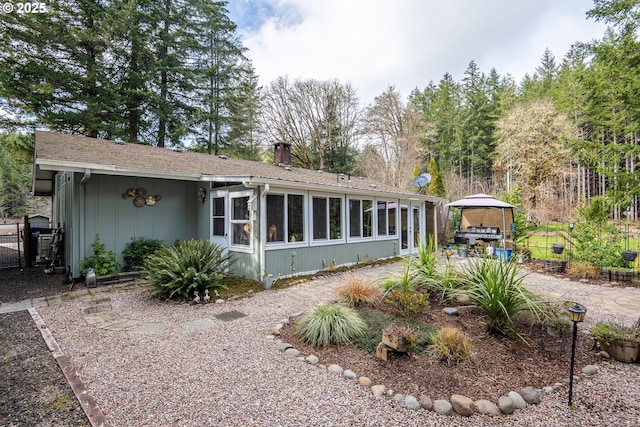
[(183, 365)]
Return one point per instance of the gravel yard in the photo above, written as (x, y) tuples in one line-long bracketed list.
[(181, 365)]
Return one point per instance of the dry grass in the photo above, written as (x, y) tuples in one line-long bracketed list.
[(452, 345), (358, 292), (584, 270)]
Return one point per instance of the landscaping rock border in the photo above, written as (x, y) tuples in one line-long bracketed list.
[(458, 404)]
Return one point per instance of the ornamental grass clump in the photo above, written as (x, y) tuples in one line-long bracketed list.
[(175, 272), (497, 288), (328, 324), (452, 345), (357, 292)]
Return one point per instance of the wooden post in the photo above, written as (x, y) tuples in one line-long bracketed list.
[(26, 242)]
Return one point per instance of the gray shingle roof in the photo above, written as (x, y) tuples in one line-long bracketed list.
[(60, 152)]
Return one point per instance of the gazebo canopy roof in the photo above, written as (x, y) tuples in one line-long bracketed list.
[(479, 201)]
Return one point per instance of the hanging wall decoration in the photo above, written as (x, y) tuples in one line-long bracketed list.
[(140, 197)]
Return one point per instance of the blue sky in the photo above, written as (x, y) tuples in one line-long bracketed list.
[(407, 43)]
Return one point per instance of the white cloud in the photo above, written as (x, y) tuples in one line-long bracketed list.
[(374, 43)]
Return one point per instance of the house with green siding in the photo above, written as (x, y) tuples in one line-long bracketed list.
[(272, 218)]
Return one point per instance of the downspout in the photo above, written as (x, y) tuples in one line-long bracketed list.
[(435, 225), (81, 225)]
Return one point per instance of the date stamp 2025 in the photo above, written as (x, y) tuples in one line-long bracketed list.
[(23, 8)]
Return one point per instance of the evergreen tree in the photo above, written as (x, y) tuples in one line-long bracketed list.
[(436, 186)]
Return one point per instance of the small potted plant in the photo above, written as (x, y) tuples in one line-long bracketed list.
[(398, 338), (620, 341), (557, 248)]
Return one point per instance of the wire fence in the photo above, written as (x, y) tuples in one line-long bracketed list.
[(11, 249)]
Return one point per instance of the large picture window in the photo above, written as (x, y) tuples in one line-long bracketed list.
[(387, 218), (240, 219), (285, 218), (360, 218), (327, 218)]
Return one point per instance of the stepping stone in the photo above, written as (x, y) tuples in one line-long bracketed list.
[(155, 328), (451, 311), (198, 324), (229, 315)]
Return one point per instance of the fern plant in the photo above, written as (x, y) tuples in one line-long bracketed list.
[(175, 272)]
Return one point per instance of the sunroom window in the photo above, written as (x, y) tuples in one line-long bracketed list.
[(327, 218), (360, 218), (285, 218), (386, 218)]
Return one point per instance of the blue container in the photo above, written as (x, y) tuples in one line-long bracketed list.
[(503, 254)]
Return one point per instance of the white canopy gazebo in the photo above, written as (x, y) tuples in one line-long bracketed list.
[(482, 210)]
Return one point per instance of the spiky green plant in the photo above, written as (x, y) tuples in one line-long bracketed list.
[(193, 265), (427, 260), (497, 288), (328, 324), (404, 282)]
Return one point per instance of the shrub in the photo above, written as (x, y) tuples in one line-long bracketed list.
[(584, 270), (497, 288), (356, 292), (102, 261), (328, 324), (452, 345), (137, 250), (194, 265), (409, 302)]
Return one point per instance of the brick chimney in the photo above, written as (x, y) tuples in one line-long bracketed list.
[(282, 154)]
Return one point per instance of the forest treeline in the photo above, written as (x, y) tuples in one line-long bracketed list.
[(175, 73)]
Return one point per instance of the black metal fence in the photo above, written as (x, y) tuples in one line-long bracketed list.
[(11, 249)]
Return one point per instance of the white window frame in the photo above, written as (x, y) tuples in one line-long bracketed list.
[(305, 221), (386, 236), (251, 220), (373, 219), (328, 240)]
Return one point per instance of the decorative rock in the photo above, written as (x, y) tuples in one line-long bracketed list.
[(604, 355), (219, 301), (505, 403), (462, 300), (311, 359), (411, 403), (426, 403), (335, 369), (486, 407), (292, 352), (364, 381), (295, 315), (282, 346), (518, 401), (442, 407), (462, 405), (284, 321), (399, 398), (548, 390), (378, 390), (275, 331), (451, 311), (575, 378), (270, 337), (590, 370), (349, 374), (557, 386), (321, 366), (530, 395)]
